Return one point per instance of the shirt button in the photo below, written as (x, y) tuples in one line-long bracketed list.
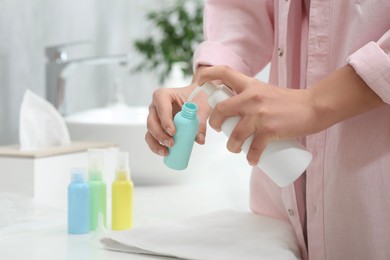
[(280, 52), (291, 212)]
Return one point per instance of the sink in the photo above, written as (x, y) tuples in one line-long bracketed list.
[(126, 126)]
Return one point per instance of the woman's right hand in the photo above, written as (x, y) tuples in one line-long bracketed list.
[(165, 104)]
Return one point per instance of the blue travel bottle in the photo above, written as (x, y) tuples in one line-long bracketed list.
[(78, 203), (186, 123)]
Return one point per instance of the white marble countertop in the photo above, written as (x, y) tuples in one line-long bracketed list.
[(45, 237)]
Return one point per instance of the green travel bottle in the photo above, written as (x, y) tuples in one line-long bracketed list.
[(186, 123), (97, 188)]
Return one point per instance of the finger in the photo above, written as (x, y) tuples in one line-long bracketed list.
[(240, 133), (232, 78), (155, 146), (256, 148), (217, 118), (230, 107), (163, 106), (155, 129), (201, 134)]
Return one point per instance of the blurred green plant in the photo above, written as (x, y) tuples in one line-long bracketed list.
[(178, 29)]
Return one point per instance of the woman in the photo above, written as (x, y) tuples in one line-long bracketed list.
[(329, 86)]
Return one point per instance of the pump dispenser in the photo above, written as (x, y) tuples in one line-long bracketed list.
[(97, 187), (282, 161), (122, 195), (186, 124), (78, 203)]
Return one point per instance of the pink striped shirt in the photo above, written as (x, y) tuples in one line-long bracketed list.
[(343, 201)]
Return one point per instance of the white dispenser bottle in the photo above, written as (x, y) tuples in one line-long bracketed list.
[(282, 161)]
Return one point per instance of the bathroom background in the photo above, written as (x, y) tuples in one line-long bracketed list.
[(106, 27), (27, 27)]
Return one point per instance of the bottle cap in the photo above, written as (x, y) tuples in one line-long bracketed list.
[(78, 175), (95, 163), (122, 169)]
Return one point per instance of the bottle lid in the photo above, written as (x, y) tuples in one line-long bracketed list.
[(78, 175), (122, 169), (95, 163)]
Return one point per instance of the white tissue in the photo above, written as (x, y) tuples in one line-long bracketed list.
[(40, 125), (221, 235)]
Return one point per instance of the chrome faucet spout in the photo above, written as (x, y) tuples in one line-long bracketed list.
[(59, 69), (70, 66)]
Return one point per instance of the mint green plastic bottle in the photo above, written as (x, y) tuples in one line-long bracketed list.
[(97, 188), (186, 122)]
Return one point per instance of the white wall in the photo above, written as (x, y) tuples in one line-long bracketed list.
[(26, 27)]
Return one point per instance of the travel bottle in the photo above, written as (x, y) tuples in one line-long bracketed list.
[(122, 195), (186, 123), (78, 203), (282, 161), (97, 187)]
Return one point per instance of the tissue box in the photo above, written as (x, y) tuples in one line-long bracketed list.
[(43, 174)]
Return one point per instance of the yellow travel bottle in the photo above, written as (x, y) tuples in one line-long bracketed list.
[(122, 195)]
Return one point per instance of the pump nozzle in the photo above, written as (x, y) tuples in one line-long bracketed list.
[(95, 159), (214, 92), (209, 87), (122, 169), (95, 163)]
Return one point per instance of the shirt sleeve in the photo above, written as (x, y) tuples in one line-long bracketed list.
[(238, 33), (372, 64)]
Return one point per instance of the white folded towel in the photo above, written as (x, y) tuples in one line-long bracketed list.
[(223, 235)]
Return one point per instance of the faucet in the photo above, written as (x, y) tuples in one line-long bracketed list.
[(59, 68)]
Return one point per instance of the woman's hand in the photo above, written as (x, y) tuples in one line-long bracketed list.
[(271, 113), (165, 104)]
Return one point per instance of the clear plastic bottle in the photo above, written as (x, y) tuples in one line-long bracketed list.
[(97, 187), (78, 203), (122, 195), (186, 123), (282, 161)]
